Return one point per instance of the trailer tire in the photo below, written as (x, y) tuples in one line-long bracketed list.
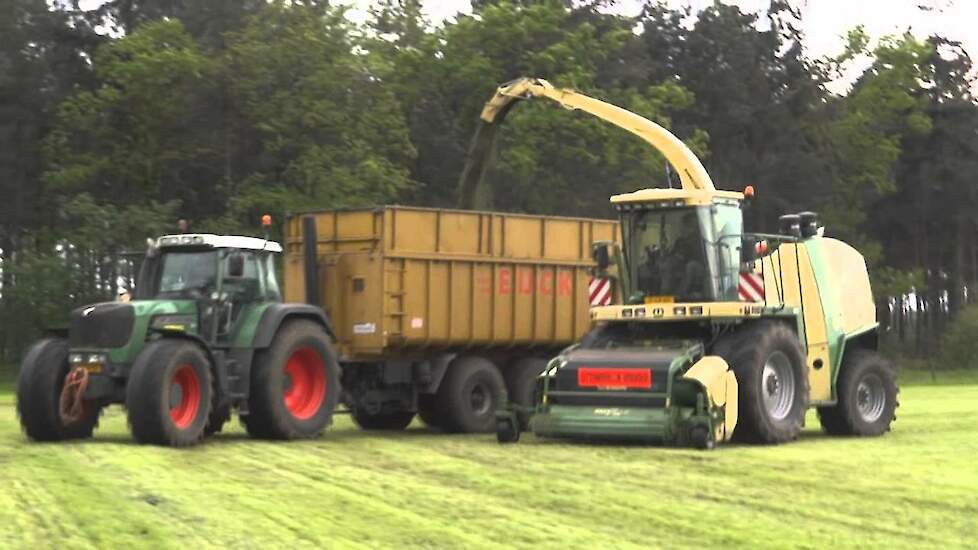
[(767, 358), (42, 376), (867, 397), (469, 395), (393, 421), (295, 384), (521, 384), (155, 415)]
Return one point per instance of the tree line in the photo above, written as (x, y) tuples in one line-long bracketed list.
[(117, 121)]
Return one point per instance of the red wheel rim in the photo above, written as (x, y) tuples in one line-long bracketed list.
[(184, 412), (306, 388)]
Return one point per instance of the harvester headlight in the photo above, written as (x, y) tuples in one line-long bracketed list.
[(173, 322), (76, 358)]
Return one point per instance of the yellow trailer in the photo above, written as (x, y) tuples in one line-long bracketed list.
[(436, 311)]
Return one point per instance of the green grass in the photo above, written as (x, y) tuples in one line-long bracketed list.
[(916, 487)]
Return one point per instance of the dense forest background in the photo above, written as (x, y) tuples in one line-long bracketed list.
[(117, 121)]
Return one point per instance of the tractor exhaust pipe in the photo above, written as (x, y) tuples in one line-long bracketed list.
[(310, 260)]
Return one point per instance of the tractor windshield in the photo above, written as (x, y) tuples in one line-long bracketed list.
[(667, 254), (186, 274)]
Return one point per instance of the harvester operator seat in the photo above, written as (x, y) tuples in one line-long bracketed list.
[(675, 268)]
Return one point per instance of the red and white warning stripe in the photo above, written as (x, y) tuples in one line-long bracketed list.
[(599, 289), (751, 287)]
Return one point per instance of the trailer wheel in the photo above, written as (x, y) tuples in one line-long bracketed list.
[(168, 394), (470, 394), (42, 376), (867, 397), (397, 420), (295, 384), (428, 410), (769, 363), (521, 383)]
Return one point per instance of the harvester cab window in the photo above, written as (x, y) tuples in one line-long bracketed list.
[(187, 274), (670, 254), (728, 229)]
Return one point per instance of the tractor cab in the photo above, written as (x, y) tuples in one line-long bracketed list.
[(214, 277)]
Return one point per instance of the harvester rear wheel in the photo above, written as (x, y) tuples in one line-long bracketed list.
[(397, 420), (521, 382), (295, 384), (769, 363), (469, 395), (867, 393), (168, 395), (42, 376)]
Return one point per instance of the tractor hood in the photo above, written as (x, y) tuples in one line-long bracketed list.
[(120, 327)]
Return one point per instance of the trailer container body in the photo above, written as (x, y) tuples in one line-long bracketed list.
[(412, 293)]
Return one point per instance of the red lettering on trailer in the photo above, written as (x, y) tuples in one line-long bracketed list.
[(524, 281), (547, 283), (505, 280), (565, 284), (484, 283)]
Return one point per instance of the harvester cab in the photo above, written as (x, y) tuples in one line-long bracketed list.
[(205, 333), (716, 333)]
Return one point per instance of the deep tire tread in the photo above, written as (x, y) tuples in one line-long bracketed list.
[(42, 375), (843, 418)]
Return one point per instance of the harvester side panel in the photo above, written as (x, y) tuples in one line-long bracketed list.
[(789, 276), (397, 280)]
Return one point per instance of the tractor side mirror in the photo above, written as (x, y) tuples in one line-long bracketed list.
[(599, 251), (236, 265)]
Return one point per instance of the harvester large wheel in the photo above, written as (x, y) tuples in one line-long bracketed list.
[(42, 376), (769, 363), (867, 393), (428, 410), (393, 421), (168, 395), (521, 383), (295, 384), (470, 394)]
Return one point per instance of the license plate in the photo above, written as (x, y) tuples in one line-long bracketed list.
[(618, 379), (660, 299), (93, 368)]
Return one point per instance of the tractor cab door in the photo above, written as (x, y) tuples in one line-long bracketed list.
[(243, 287)]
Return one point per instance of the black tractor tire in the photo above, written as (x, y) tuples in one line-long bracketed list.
[(156, 414), (295, 384), (521, 383), (469, 395), (389, 421), (748, 351), (42, 376), (428, 410), (867, 396)]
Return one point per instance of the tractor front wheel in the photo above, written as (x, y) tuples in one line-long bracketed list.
[(168, 396), (295, 384), (867, 393), (42, 377)]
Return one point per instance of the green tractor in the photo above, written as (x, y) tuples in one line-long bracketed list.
[(717, 333), (205, 333)]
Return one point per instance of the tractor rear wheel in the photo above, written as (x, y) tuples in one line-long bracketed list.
[(521, 383), (867, 397), (42, 376), (469, 395), (295, 384), (168, 395), (769, 363), (397, 420)]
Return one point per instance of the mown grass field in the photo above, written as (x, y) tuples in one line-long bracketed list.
[(916, 487)]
